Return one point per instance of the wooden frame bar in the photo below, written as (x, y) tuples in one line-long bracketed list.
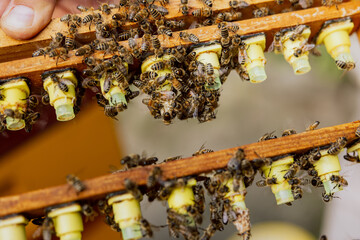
[(34, 202)]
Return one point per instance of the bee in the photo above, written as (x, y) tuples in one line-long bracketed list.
[(297, 192), (109, 220), (47, 228), (331, 2), (124, 53), (266, 182), (339, 180), (110, 111), (238, 4), (189, 37), (33, 101), (184, 8), (276, 45), (323, 237), (103, 207), (145, 228), (158, 66), (57, 40), (202, 150), (298, 181), (165, 30), (294, 168), (267, 136), (17, 114), (352, 158), (234, 163), (242, 53), (141, 15), (261, 12), (41, 51), (337, 146), (303, 48), (76, 183), (135, 50), (66, 18), (77, 20), (288, 132), (202, 12), (30, 120), (133, 189), (155, 14), (225, 56), (224, 31), (209, 232), (45, 99), (133, 10), (70, 39), (60, 83), (175, 24), (154, 177), (228, 212), (120, 16), (106, 8), (84, 50), (313, 126), (123, 3), (60, 52), (327, 197), (297, 32), (82, 8), (345, 65), (155, 42), (316, 182), (88, 212)]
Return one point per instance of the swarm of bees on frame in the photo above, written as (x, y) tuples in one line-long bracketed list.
[(187, 93)]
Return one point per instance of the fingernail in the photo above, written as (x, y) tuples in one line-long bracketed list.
[(20, 17)]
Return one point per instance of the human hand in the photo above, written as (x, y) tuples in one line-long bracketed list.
[(23, 19)]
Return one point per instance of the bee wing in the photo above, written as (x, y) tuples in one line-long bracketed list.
[(271, 47), (308, 47)]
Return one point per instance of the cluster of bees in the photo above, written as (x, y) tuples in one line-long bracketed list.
[(184, 91)]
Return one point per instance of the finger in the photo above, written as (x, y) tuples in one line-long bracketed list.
[(3, 5), (23, 19)]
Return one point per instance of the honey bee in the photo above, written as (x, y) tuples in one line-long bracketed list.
[(124, 53), (303, 48), (297, 32), (242, 57), (133, 189), (341, 181), (123, 3), (261, 12), (66, 18), (209, 232), (60, 83), (45, 99), (57, 41), (331, 2), (84, 50), (47, 228), (352, 158), (189, 37), (276, 45), (234, 163), (345, 65), (82, 8), (202, 150), (41, 52), (111, 111), (88, 212), (92, 18), (177, 24), (134, 49), (312, 126), (202, 12), (106, 8), (336, 147), (184, 8), (288, 132), (238, 4), (103, 207), (33, 101), (155, 14), (109, 220), (30, 120), (327, 197), (294, 168), (145, 228), (141, 15), (298, 181), (154, 177), (76, 183), (266, 182), (165, 30), (17, 114), (225, 56), (70, 39), (60, 52), (267, 136), (133, 10), (297, 192), (316, 182)]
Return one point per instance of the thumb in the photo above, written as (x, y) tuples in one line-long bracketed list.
[(23, 19)]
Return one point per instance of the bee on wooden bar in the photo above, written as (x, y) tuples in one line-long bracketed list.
[(235, 4), (202, 150), (208, 3), (202, 12), (70, 38), (297, 32), (337, 146), (261, 12), (175, 24), (76, 183), (133, 189), (84, 50), (288, 132), (57, 41), (331, 2), (41, 51), (189, 37), (313, 126), (60, 52)]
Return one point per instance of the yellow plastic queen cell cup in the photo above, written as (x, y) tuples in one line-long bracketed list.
[(127, 214), (210, 54), (336, 39), (282, 189), (67, 221), (327, 166), (63, 102), (299, 64), (255, 60), (15, 91), (13, 227), (237, 199)]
